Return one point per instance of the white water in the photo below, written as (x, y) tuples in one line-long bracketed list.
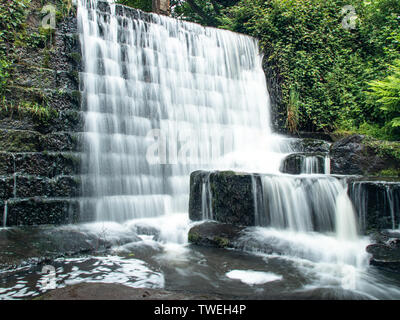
[(310, 165), (163, 98), (251, 277)]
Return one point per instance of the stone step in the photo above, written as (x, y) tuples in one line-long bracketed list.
[(229, 197), (23, 186), (59, 99), (12, 140), (65, 121), (41, 164), (30, 76), (35, 211)]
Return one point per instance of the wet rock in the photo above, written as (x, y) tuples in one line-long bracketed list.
[(36, 211), (313, 136), (19, 140), (386, 256), (35, 244), (6, 188), (143, 229), (108, 291), (61, 141), (293, 163), (308, 145), (376, 201), (47, 164), (214, 234), (355, 155), (33, 186), (6, 163), (232, 197)]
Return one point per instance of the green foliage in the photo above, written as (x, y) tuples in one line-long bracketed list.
[(389, 173), (307, 47), (145, 5), (293, 111), (4, 74), (205, 12), (37, 112), (12, 16), (384, 148), (387, 94)]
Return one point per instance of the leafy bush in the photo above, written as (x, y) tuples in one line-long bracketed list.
[(387, 94), (12, 15)]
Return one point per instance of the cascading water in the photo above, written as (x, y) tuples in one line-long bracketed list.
[(163, 98)]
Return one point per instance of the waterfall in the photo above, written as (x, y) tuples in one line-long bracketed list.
[(346, 226), (161, 99), (310, 165)]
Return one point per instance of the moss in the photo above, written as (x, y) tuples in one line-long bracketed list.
[(19, 141), (389, 173), (41, 114), (193, 237), (384, 148), (46, 59), (75, 56), (221, 242)]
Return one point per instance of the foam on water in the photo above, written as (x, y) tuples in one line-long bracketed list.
[(252, 277)]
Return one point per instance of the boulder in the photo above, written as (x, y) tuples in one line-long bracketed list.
[(214, 234), (35, 244), (386, 252), (358, 155)]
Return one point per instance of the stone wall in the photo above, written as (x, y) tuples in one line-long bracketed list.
[(39, 153)]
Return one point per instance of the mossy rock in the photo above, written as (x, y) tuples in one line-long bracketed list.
[(214, 234), (361, 155)]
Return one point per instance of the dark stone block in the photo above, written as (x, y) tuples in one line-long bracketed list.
[(31, 186), (47, 164), (19, 141), (232, 197), (6, 163), (60, 141), (38, 211), (6, 188)]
